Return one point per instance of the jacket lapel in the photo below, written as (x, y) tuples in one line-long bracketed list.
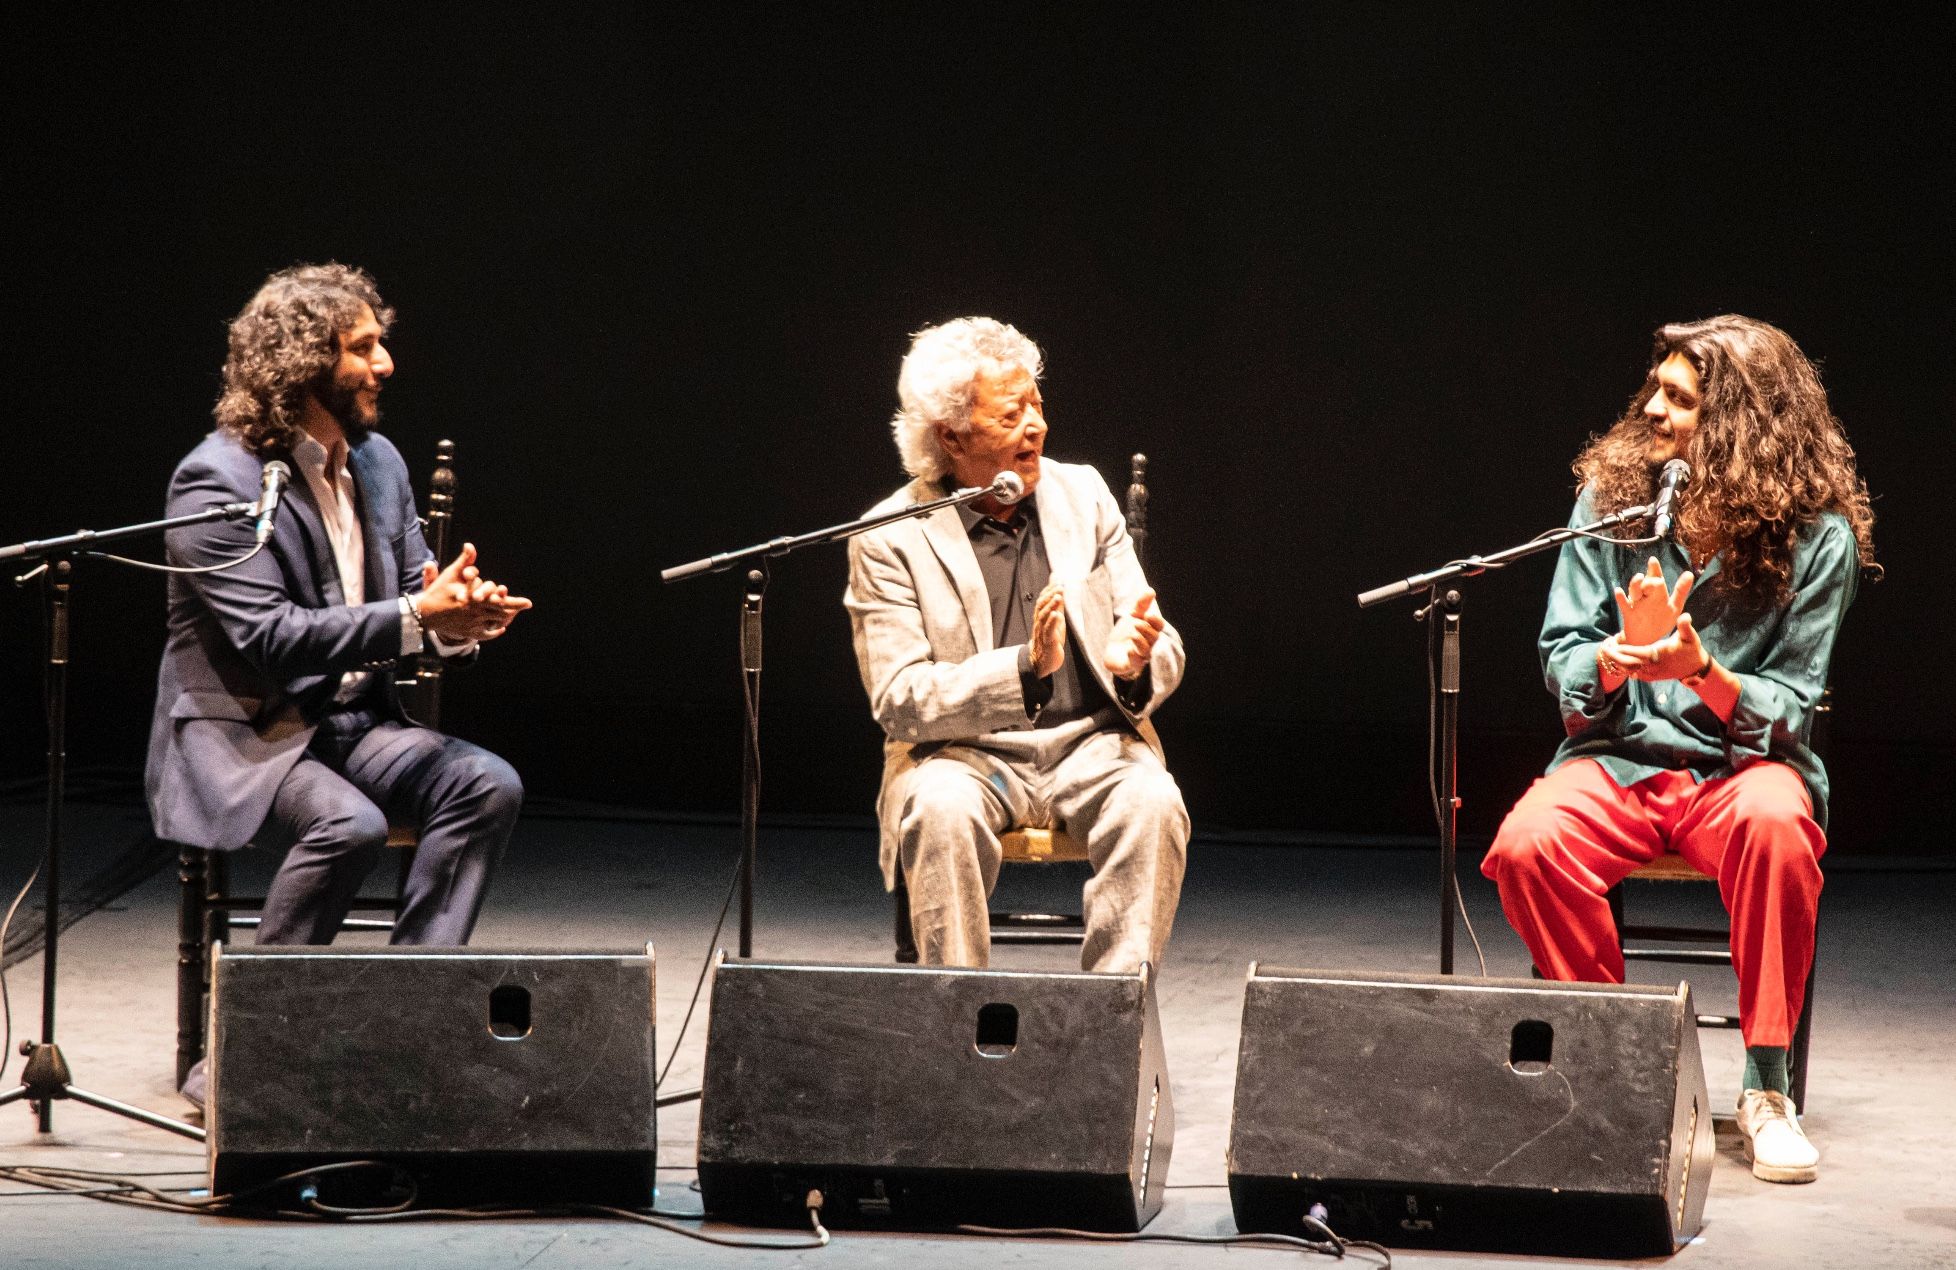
[(1069, 539), (317, 545), (1072, 550), (371, 535), (944, 530)]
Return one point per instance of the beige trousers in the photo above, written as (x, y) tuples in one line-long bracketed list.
[(1101, 784)]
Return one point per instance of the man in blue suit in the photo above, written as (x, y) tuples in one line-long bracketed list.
[(276, 719)]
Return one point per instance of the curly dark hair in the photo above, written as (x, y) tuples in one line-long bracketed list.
[(284, 340), (1768, 456)]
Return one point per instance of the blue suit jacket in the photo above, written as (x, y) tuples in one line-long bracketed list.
[(255, 654)]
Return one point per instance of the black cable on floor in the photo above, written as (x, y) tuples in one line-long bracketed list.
[(1330, 1246), (131, 1190)]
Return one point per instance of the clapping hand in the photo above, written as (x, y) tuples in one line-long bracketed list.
[(1673, 658), (1651, 610), (458, 603), (1132, 641), (1047, 644)]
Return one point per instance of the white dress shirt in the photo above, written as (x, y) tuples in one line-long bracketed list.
[(332, 488)]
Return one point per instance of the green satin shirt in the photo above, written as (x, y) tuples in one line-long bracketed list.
[(1779, 652)]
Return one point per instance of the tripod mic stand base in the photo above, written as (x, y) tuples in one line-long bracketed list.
[(46, 1078)]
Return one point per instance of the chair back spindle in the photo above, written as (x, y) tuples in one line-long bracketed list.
[(422, 685)]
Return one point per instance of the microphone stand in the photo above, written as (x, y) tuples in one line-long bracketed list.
[(46, 1077), (1443, 667), (750, 658)]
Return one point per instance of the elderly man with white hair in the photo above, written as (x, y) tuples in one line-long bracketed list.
[(1013, 654)]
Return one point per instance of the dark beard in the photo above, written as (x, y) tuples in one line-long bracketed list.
[(344, 405)]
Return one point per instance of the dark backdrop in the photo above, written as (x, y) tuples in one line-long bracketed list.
[(1358, 285)]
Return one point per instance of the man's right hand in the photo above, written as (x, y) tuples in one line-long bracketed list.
[(459, 604), (1048, 641)]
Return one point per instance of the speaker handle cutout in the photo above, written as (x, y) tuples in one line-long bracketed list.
[(1531, 1047), (998, 1029), (509, 1012)]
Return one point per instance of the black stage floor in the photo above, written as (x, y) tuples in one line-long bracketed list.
[(1882, 1098)]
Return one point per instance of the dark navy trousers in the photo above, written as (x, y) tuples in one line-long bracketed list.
[(330, 818)]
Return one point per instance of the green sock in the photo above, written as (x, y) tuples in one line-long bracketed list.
[(1765, 1068)]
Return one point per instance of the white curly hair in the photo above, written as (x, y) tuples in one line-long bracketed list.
[(938, 384)]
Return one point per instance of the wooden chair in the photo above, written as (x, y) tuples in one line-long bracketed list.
[(1670, 868), (1037, 846), (207, 911)]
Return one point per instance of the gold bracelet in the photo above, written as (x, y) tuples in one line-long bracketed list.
[(1608, 666)]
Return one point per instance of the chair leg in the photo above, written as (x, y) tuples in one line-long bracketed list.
[(906, 940), (217, 928), (191, 950)]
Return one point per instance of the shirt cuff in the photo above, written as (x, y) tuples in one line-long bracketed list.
[(1037, 691), (411, 635), (414, 638)]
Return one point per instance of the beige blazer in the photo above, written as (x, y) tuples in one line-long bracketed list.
[(923, 623)]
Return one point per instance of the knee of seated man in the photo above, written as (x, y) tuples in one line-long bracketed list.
[(359, 825), (1150, 795), (491, 780), (1522, 842), (941, 798), (1780, 828)]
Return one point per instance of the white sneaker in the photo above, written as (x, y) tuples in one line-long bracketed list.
[(1779, 1151)]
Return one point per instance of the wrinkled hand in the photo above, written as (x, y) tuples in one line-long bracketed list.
[(458, 603), (1650, 610), (1673, 658), (1048, 640), (1132, 641)]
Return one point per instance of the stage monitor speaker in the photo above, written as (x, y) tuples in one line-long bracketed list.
[(1491, 1114), (925, 1097), (488, 1077)]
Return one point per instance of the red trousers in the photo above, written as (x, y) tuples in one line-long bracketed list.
[(1576, 833)]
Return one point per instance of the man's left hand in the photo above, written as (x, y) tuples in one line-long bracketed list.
[(1132, 641)]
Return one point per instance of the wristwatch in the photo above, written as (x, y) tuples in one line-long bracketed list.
[(1698, 676)]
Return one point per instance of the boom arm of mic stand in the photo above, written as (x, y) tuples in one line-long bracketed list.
[(1472, 565), (89, 539), (834, 533)]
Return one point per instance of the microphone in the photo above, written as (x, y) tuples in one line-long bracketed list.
[(273, 483), (1008, 487), (1677, 474)]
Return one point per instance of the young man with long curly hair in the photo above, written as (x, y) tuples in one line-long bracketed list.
[(1688, 728)]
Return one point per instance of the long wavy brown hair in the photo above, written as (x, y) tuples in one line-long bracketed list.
[(1767, 458), (284, 342)]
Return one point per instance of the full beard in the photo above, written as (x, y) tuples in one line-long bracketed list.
[(343, 403)]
